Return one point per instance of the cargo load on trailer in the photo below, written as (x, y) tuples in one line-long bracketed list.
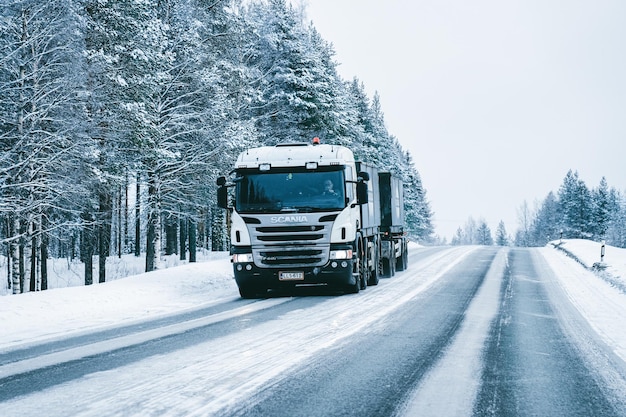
[(309, 214)]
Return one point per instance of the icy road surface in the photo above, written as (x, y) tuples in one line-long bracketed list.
[(463, 331)]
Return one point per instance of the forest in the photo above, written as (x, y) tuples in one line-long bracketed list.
[(573, 212), (117, 116)]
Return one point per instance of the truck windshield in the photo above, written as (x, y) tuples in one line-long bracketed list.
[(290, 191)]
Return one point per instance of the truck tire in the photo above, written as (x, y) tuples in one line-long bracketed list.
[(356, 286), (402, 262), (386, 267), (364, 267), (375, 273), (357, 269)]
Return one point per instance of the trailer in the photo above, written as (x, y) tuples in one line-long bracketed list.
[(305, 214)]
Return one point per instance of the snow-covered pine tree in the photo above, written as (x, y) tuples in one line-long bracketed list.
[(546, 224), (502, 238), (106, 33), (483, 234), (577, 212), (575, 207), (38, 102), (616, 234), (418, 215), (218, 41), (601, 207), (298, 87)]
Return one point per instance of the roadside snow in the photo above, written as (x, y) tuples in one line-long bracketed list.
[(36, 316), (611, 267), (597, 295)]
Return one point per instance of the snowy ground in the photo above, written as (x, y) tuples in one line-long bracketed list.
[(599, 295), (69, 308)]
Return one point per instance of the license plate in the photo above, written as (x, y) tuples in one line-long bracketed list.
[(291, 275)]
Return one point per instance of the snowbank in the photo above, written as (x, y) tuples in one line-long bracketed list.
[(611, 268), (67, 309)]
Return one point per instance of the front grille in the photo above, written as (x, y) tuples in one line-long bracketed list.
[(293, 245), (289, 229), (292, 257), (305, 238)]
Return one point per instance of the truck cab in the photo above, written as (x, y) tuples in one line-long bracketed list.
[(295, 217)]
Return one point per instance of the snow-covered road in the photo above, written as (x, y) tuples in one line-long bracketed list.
[(208, 376), (230, 355)]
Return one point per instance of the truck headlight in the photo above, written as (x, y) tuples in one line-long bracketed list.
[(242, 258), (341, 254)]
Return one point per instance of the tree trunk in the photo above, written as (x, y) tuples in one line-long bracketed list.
[(119, 223), (89, 266), (150, 241), (192, 240), (7, 233), (154, 227), (14, 245), (22, 256), (87, 246), (73, 248), (183, 238), (9, 283), (171, 236), (44, 253), (104, 231), (126, 213), (138, 217), (33, 260)]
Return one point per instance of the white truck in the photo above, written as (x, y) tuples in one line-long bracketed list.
[(309, 214)]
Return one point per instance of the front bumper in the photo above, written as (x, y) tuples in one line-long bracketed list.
[(335, 273)]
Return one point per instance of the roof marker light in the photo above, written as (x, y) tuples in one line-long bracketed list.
[(316, 140)]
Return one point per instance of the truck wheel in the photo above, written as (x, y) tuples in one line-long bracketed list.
[(373, 279), (401, 262), (405, 258), (374, 273), (386, 267), (364, 270), (356, 287), (357, 269)]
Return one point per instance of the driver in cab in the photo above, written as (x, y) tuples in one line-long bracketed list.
[(329, 189)]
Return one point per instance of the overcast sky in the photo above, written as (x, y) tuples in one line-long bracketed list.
[(496, 100)]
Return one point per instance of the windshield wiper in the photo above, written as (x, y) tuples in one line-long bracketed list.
[(307, 209)]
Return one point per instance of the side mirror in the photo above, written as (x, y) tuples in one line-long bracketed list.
[(222, 192), (361, 193), (222, 197), (364, 176)]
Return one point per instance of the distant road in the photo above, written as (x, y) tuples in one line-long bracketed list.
[(463, 331)]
